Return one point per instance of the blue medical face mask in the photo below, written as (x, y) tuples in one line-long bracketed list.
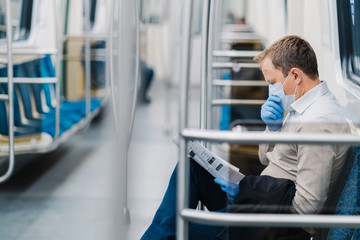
[(277, 89)]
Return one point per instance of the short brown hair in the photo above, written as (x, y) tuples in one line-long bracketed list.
[(291, 51)]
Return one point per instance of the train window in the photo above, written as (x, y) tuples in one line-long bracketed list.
[(92, 12), (21, 11), (197, 17), (153, 11), (234, 11), (349, 37)]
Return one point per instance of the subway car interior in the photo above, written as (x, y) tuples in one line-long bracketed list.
[(104, 102)]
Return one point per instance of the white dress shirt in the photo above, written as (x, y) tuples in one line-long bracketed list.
[(313, 168)]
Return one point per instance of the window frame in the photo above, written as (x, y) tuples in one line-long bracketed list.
[(25, 21), (346, 41)]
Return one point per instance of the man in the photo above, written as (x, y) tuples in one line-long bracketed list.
[(298, 178)]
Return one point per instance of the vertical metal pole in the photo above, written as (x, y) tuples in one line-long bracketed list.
[(286, 12), (210, 49), (111, 62), (59, 42), (245, 10), (132, 119), (204, 65), (167, 125), (183, 167), (87, 60), (10, 93), (137, 68), (214, 33), (121, 58)]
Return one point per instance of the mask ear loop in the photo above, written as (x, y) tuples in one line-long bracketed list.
[(286, 79), (296, 89)]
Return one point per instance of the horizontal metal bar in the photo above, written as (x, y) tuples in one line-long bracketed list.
[(82, 37), (270, 220), (270, 137), (18, 51), (240, 83), (237, 28), (100, 58), (241, 35), (220, 102), (234, 65), (31, 80), (233, 53), (4, 97)]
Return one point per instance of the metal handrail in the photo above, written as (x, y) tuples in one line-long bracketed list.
[(212, 21), (270, 137), (234, 53), (86, 7), (204, 65), (225, 65), (137, 69), (111, 62), (183, 166), (271, 220), (240, 40), (240, 35), (239, 83), (221, 102), (25, 51), (30, 80), (57, 70), (4, 97), (237, 28), (132, 118), (11, 166), (92, 36)]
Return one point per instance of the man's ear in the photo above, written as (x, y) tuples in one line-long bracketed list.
[(297, 74)]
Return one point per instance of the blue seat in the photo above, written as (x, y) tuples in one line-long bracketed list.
[(345, 200), (28, 97), (21, 129), (47, 70), (46, 123), (349, 199)]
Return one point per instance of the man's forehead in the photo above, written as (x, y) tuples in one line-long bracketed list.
[(267, 64)]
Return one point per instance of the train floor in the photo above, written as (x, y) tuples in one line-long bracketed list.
[(73, 192)]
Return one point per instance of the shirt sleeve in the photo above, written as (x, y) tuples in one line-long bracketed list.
[(263, 149), (314, 168)]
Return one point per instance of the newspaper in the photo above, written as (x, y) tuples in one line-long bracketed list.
[(212, 163)]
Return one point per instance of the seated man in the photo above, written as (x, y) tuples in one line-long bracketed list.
[(298, 178)]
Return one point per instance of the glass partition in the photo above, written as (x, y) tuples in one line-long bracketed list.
[(21, 11)]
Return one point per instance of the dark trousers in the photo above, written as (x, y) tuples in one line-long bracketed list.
[(256, 192), (163, 225)]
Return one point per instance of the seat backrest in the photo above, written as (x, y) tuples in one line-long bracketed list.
[(41, 67), (4, 129), (47, 70), (20, 70), (17, 112), (349, 200)]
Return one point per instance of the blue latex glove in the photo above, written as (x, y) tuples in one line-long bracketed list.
[(272, 113), (231, 189)]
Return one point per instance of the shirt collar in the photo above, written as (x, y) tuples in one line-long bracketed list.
[(309, 98)]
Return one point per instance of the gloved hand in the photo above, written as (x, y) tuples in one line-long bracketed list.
[(272, 113), (231, 189)]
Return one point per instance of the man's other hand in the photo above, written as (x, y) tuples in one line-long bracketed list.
[(272, 113), (231, 189)]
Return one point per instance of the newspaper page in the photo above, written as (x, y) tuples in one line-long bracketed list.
[(215, 165)]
